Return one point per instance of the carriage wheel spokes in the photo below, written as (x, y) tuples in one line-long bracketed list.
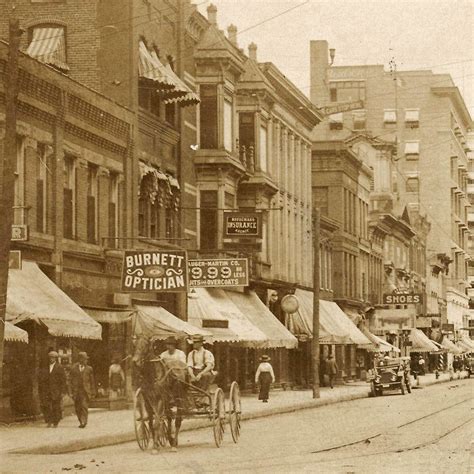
[(141, 420), (218, 416), (235, 411), (160, 426)]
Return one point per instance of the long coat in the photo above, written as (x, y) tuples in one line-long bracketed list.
[(331, 367), (53, 384), (82, 380)]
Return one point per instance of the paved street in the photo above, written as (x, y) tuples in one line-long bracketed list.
[(427, 431)]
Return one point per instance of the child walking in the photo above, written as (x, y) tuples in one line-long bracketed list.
[(264, 376)]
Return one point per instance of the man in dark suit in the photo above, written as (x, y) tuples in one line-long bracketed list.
[(82, 387), (53, 387)]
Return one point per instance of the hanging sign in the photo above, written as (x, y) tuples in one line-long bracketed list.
[(342, 107), (243, 224), (220, 272), (154, 271), (19, 233), (402, 298)]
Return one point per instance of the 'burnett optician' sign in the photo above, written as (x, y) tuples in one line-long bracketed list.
[(155, 271)]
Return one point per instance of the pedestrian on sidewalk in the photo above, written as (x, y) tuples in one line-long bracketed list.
[(331, 369), (82, 387), (265, 377), (52, 387), (116, 378)]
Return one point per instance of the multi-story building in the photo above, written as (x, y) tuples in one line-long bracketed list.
[(424, 115)]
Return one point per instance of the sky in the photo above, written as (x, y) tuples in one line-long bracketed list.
[(418, 34)]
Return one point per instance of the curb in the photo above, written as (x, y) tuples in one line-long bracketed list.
[(113, 439)]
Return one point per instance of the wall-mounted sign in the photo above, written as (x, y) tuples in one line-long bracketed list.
[(154, 271), (243, 224), (344, 107), (14, 260), (19, 232), (290, 304), (221, 272), (402, 298), (448, 327)]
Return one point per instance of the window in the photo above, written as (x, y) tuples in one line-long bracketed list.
[(336, 121), (169, 222), (149, 100), (208, 116), (69, 210), (320, 199), (390, 116), (412, 119), (246, 137), (358, 118), (19, 185), (347, 91), (92, 204), (412, 149), (43, 186), (263, 148), (170, 113), (412, 185), (228, 125), (332, 93), (208, 225), (47, 43), (113, 210)]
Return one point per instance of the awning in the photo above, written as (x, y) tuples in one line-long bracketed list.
[(378, 344), (156, 322), (109, 316), (145, 169), (420, 342), (259, 315), (450, 346), (151, 69), (15, 334), (465, 344), (48, 46), (33, 296), (212, 309), (438, 346), (187, 97)]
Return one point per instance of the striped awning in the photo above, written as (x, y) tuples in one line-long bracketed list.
[(151, 69), (450, 346), (379, 344), (187, 97), (15, 334), (48, 45), (420, 342)]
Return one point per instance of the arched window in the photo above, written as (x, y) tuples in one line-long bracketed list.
[(47, 43)]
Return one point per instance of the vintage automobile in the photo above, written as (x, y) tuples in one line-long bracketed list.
[(390, 374)]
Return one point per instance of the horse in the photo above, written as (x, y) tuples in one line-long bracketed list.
[(164, 391)]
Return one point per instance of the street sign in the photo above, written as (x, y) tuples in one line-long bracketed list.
[(14, 260), (19, 233), (344, 107), (243, 224), (402, 298), (154, 271), (215, 273)]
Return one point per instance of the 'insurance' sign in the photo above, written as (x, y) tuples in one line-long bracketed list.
[(243, 224)]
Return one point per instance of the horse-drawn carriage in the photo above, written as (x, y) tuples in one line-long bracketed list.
[(165, 396)]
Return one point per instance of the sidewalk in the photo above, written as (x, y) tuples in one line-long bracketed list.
[(107, 428)]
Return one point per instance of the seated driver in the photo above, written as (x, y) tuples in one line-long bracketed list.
[(200, 364), (172, 353)]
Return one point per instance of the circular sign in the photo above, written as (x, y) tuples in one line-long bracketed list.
[(290, 304)]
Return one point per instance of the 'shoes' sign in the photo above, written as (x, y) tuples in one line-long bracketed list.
[(155, 271), (242, 224), (402, 298), (220, 272)]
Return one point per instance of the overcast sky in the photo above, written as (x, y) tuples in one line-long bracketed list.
[(433, 34)]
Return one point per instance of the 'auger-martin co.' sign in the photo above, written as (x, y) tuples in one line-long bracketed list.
[(154, 271)]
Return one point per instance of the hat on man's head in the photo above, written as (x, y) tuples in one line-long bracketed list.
[(82, 355), (265, 358), (197, 338), (171, 340), (53, 354)]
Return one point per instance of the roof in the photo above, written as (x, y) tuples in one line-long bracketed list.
[(33, 296), (420, 342), (213, 307), (15, 334), (259, 315)]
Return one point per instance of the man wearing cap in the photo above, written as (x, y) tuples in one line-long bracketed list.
[(172, 353), (200, 364), (52, 387), (82, 387)]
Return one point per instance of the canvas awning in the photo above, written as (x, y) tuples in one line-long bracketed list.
[(378, 344), (450, 346), (15, 334), (259, 315), (213, 310), (33, 296), (109, 316), (48, 46), (465, 344), (187, 96), (420, 342), (439, 346), (152, 70)]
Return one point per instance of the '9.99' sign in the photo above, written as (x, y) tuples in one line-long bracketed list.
[(218, 272)]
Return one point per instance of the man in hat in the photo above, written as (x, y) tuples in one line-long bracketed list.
[(172, 353), (82, 387), (200, 364), (52, 387)]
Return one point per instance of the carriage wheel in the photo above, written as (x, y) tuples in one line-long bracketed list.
[(218, 416), (235, 411), (141, 420), (160, 426)]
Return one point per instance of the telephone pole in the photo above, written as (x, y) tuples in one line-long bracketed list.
[(316, 285), (8, 173)]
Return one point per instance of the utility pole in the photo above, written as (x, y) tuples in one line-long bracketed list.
[(8, 174), (316, 285)]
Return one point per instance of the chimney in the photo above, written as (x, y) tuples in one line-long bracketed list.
[(319, 65), (212, 14), (253, 51), (232, 34)]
